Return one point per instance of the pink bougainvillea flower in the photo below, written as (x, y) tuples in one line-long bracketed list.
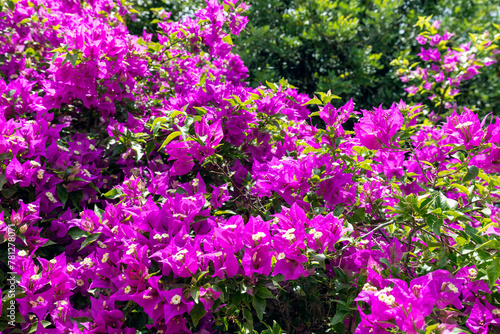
[(465, 129), (483, 315), (378, 126)]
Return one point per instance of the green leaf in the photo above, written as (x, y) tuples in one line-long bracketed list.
[(264, 292), (62, 193), (98, 211), (158, 121), (338, 210), (113, 193), (445, 203), (247, 314), (271, 85), (197, 313), (225, 212), (472, 232), (57, 50), (313, 101), (26, 20), (472, 173), (434, 223), (3, 180), (9, 192), (339, 317), (170, 137), (328, 96), (90, 239), (276, 328), (359, 215), (495, 244), (117, 150), (149, 148), (228, 40), (430, 329), (76, 197), (176, 113), (72, 58), (461, 187), (385, 261), (195, 293), (259, 304), (320, 259), (77, 233), (493, 271)]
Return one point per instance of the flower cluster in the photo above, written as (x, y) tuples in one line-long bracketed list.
[(445, 66)]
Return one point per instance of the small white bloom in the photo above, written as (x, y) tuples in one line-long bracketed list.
[(369, 287), (105, 258), (453, 288), (88, 262), (463, 125), (131, 249), (175, 300), (50, 197), (257, 236), (178, 257)]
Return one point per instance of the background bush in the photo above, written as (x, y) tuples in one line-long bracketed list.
[(344, 46)]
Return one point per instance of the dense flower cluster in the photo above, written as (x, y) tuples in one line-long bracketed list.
[(445, 66), (150, 189)]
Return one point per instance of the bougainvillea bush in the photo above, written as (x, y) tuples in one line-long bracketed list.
[(146, 188)]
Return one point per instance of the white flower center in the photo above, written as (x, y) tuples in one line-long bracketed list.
[(369, 287), (175, 300), (463, 125), (257, 236), (105, 258)]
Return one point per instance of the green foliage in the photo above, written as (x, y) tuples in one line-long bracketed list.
[(345, 46)]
